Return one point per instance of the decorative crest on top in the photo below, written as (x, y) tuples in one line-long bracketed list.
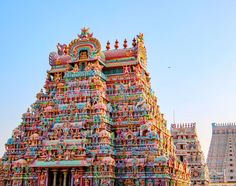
[(61, 49), (140, 38), (85, 33)]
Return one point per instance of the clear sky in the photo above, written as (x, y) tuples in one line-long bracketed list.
[(197, 39)]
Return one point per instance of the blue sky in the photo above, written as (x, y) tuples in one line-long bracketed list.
[(195, 38)]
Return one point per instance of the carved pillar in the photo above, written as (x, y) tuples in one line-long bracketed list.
[(167, 182), (86, 182), (60, 181), (54, 178), (38, 175), (81, 180), (64, 180), (46, 172), (72, 177)]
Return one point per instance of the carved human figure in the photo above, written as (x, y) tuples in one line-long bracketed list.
[(86, 182), (42, 181), (83, 54), (75, 69)]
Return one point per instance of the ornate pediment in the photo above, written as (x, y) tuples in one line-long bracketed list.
[(84, 47)]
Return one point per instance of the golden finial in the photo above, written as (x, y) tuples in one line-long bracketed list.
[(125, 43), (108, 45), (85, 30), (134, 42), (85, 33), (116, 44)]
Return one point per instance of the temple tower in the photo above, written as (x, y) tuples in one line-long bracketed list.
[(188, 149), (96, 123), (221, 159)]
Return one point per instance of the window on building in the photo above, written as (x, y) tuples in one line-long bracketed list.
[(181, 146), (231, 177), (113, 71), (231, 170), (231, 165), (181, 158)]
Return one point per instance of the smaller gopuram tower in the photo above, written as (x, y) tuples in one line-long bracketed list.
[(221, 155), (188, 150)]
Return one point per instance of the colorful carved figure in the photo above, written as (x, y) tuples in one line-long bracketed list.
[(96, 122)]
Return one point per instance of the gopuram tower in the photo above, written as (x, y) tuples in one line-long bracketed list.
[(96, 123), (188, 149), (221, 159)]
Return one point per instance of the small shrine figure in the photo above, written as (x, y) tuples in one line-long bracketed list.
[(76, 68), (42, 181), (58, 76), (86, 182), (83, 55)]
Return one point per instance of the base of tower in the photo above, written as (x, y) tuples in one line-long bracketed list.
[(224, 184)]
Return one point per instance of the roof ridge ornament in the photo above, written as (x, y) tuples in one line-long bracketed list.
[(140, 38), (85, 33)]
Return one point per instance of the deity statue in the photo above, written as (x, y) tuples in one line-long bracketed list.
[(58, 76), (75, 69), (42, 181), (83, 54)]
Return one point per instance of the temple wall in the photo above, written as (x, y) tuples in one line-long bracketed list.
[(221, 156)]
